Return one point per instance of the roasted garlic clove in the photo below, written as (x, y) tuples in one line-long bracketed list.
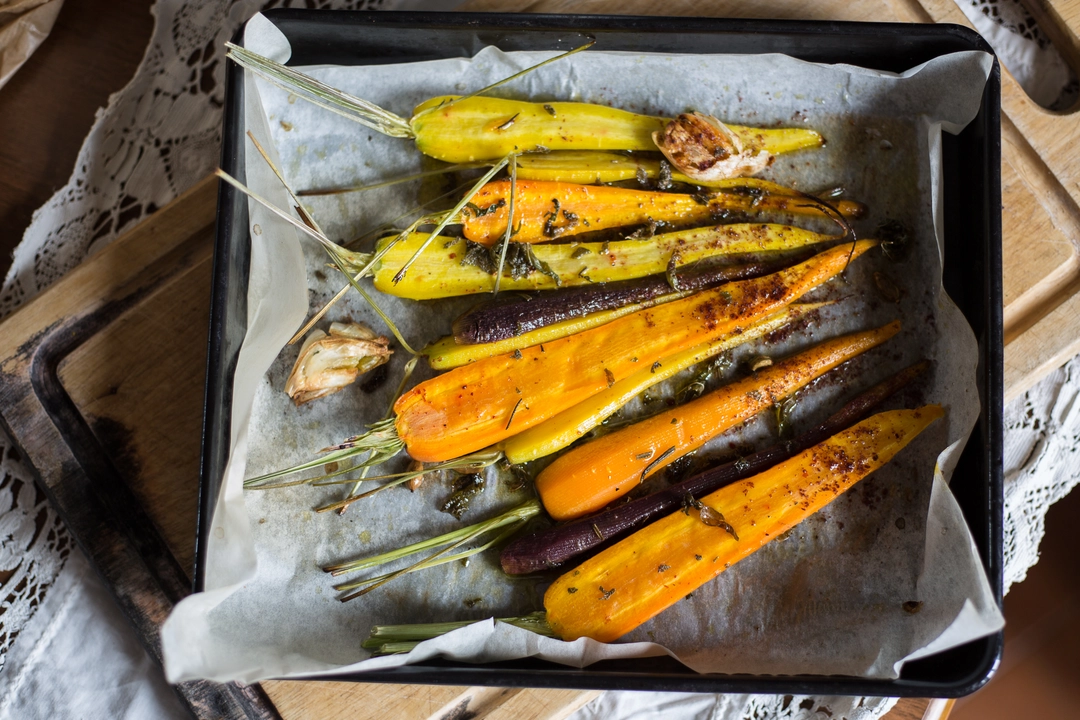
[(327, 363), (703, 148)]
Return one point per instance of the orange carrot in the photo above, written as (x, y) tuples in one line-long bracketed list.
[(545, 211), (648, 572), (480, 404), (603, 470)]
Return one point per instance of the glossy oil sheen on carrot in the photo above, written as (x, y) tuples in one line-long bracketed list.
[(479, 404)]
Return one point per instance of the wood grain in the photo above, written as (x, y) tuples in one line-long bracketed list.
[(47, 108)]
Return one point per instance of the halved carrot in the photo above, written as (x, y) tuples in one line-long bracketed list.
[(482, 403), (443, 268), (614, 592), (603, 470), (573, 423), (545, 211)]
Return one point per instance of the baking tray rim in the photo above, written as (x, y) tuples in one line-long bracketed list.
[(228, 313)]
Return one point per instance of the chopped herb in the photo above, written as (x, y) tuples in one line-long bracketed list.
[(689, 596), (610, 377), (697, 557), (662, 568), (663, 182), (649, 468), (519, 478), (645, 455), (597, 532), (571, 590), (605, 594), (517, 354), (514, 412), (646, 231), (670, 274), (642, 177), (478, 211), (655, 366), (466, 487), (581, 252), (478, 256), (549, 220), (550, 110), (633, 359)]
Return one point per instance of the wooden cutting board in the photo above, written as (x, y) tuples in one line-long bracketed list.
[(101, 379)]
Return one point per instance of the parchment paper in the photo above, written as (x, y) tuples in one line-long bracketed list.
[(828, 598)]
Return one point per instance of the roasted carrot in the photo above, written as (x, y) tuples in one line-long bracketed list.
[(614, 592), (479, 128), (634, 580), (509, 315), (594, 167), (572, 424), (482, 403), (534, 329), (453, 267), (545, 211), (603, 470), (466, 129), (556, 545)]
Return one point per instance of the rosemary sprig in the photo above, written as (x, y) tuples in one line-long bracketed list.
[(391, 639), (516, 514), (396, 181), (509, 225), (514, 517), (364, 112), (381, 442), (452, 215), (480, 459)]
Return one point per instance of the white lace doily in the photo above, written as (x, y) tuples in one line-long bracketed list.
[(161, 134)]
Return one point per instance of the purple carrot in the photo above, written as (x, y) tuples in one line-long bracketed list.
[(551, 548), (514, 315)]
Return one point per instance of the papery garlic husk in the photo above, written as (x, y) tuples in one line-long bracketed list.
[(328, 363), (703, 148)]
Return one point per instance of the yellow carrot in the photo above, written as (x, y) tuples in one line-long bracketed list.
[(571, 425), (482, 128), (442, 270), (641, 576), (603, 470)]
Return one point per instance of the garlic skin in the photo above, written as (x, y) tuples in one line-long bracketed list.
[(703, 148), (328, 363)]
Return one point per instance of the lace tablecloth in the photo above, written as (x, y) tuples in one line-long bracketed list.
[(67, 649)]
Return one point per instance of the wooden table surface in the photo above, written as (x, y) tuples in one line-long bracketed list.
[(46, 111)]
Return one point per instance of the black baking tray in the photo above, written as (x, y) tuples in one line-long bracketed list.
[(972, 277)]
